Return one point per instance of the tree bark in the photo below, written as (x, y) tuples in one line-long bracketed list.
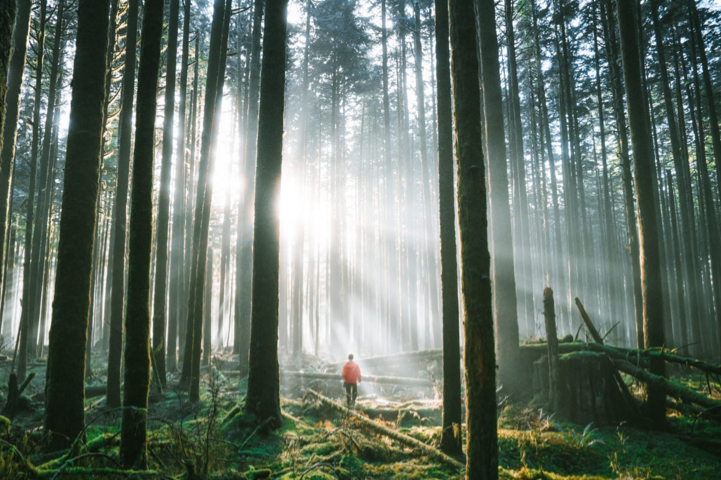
[(505, 302), (125, 123), (710, 97), (14, 71), (161, 259), (64, 406), (7, 20), (40, 237), (206, 168), (625, 161), (137, 319), (263, 398), (194, 321), (479, 355), (450, 439), (177, 249), (651, 280), (207, 307), (26, 320), (244, 251), (549, 315)]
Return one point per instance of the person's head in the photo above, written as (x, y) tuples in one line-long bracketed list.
[(350, 356)]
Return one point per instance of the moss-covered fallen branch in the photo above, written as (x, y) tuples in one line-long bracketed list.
[(392, 414), (673, 389), (392, 434), (623, 353), (98, 472)]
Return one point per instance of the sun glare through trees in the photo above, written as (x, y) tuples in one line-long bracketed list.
[(351, 239)]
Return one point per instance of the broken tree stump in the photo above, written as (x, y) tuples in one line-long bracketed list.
[(549, 315), (16, 402), (587, 389)]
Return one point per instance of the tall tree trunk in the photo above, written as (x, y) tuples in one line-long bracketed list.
[(40, 237), (651, 280), (7, 20), (504, 280), (608, 220), (177, 270), (556, 274), (161, 260), (432, 283), (523, 247), (14, 72), (706, 199), (709, 93), (125, 125), (451, 435), (137, 318), (213, 96), (207, 307), (263, 398), (389, 250), (244, 249), (298, 265), (65, 388), (27, 344), (625, 161), (185, 334), (677, 263), (479, 353)]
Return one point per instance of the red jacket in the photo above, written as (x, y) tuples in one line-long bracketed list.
[(351, 373)]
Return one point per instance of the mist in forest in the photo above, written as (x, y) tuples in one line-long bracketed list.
[(502, 218)]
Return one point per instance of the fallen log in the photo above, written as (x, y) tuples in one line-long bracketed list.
[(392, 414), (92, 391), (98, 472), (673, 389), (539, 349), (392, 434), (415, 382), (628, 353), (624, 353), (394, 359)]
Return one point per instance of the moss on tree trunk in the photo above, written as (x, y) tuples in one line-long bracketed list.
[(479, 348), (137, 318), (450, 441), (263, 397), (65, 388)]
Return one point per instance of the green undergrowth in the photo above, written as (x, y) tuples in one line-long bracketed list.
[(215, 439)]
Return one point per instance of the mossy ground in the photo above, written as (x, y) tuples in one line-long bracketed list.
[(214, 439)]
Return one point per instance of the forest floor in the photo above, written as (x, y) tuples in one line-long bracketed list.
[(213, 439)]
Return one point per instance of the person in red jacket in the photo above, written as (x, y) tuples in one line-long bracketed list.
[(351, 378)]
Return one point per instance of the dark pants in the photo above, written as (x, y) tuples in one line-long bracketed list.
[(351, 392)]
